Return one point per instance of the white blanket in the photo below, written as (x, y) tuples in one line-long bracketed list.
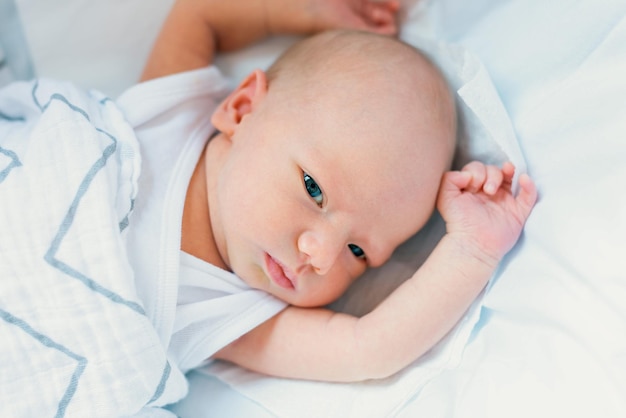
[(75, 338)]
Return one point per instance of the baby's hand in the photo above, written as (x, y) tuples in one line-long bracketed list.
[(308, 16), (480, 210)]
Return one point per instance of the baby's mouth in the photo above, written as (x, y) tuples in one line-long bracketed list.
[(278, 273)]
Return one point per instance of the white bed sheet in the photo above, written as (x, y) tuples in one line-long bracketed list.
[(551, 340)]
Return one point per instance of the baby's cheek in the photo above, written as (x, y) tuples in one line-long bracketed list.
[(358, 269), (350, 273)]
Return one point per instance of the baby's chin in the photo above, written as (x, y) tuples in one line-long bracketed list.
[(309, 300)]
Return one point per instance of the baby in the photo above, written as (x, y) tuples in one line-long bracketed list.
[(319, 169)]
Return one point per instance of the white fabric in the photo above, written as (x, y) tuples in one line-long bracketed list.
[(75, 337), (214, 308), (171, 119), (209, 307)]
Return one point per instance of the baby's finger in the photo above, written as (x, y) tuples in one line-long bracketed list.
[(494, 180), (527, 196), (508, 171), (478, 171), (381, 16), (388, 6)]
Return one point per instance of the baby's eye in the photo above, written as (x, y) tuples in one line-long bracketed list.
[(357, 251), (313, 189)]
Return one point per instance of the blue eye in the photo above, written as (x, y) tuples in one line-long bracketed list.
[(313, 189), (357, 251)]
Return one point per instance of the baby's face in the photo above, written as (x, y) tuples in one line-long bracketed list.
[(313, 193)]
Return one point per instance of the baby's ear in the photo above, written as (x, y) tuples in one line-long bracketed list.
[(240, 102)]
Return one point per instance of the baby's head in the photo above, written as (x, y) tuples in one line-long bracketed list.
[(328, 163)]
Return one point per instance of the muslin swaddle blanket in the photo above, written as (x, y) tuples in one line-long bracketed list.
[(75, 340)]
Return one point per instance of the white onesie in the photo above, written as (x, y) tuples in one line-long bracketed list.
[(196, 308)]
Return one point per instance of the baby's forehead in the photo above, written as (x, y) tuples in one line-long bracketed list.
[(369, 172)]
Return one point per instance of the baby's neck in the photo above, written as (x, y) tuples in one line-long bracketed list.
[(197, 235)]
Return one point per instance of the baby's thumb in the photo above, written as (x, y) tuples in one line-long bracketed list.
[(452, 184), (455, 181)]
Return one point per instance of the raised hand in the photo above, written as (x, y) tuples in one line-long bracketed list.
[(308, 16), (480, 209)]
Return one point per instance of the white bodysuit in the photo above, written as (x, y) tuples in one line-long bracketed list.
[(196, 308)]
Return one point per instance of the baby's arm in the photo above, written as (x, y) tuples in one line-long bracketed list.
[(196, 29), (483, 221)]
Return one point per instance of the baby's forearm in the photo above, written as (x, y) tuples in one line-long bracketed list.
[(185, 42), (424, 308), (196, 29)]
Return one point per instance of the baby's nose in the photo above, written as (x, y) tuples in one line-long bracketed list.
[(322, 248)]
